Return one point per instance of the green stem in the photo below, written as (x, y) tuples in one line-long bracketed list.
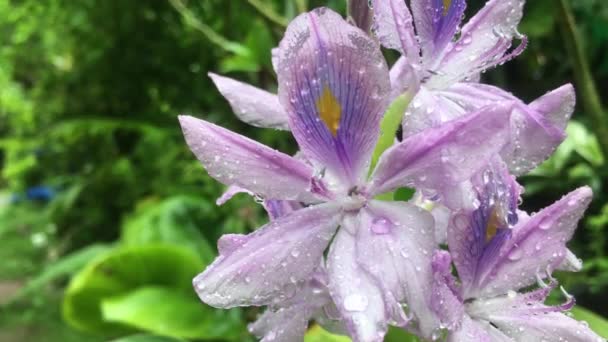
[(584, 79), (207, 31), (268, 12)]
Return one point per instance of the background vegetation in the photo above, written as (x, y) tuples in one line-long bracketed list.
[(97, 184)]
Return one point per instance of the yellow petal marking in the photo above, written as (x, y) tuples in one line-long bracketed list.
[(446, 6), (330, 110)]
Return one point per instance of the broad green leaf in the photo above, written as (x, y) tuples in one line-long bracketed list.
[(171, 221), (65, 266), (318, 334), (147, 338), (585, 143), (167, 312), (389, 125), (404, 194), (122, 271), (596, 322)]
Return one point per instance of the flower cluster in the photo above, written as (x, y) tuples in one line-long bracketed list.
[(335, 249)]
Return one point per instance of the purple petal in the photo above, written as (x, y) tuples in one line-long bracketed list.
[(266, 266), (445, 155), (232, 191), (478, 331), (357, 294), (537, 245), (523, 318), (361, 14), (430, 109), (288, 322), (236, 160), (394, 27), (436, 25), (483, 43), (252, 105), (395, 243), (557, 106), (333, 81), (445, 299), (403, 78), (278, 208)]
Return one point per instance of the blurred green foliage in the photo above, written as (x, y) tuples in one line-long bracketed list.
[(97, 184)]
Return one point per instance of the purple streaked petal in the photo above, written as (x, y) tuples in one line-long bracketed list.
[(394, 27), (252, 105), (236, 160), (444, 155), (361, 14), (537, 245), (523, 317), (430, 109), (445, 300), (279, 208), (267, 265), (232, 191), (289, 320), (403, 78), (556, 106), (436, 25), (395, 242), (478, 331), (357, 294), (333, 81), (483, 43)]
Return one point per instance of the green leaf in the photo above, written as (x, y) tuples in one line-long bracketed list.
[(399, 335), (389, 125), (65, 266), (122, 271), (318, 334), (171, 221), (146, 338), (596, 322), (166, 312), (585, 143), (404, 194)]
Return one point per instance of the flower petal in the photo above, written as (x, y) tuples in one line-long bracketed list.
[(403, 78), (394, 27), (436, 24), (444, 155), (333, 81), (360, 13), (483, 43), (395, 242), (478, 331), (523, 317), (445, 300), (266, 265), (536, 245), (288, 322), (357, 294), (252, 105), (236, 160)]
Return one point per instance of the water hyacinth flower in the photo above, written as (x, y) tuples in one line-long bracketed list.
[(441, 64), (495, 256), (334, 88)]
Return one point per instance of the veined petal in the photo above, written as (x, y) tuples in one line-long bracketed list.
[(445, 300), (430, 109), (394, 27), (556, 106), (536, 245), (444, 155), (278, 208), (403, 78), (523, 317), (436, 25), (288, 322), (333, 81), (267, 265), (478, 331), (252, 105), (236, 160), (483, 43), (395, 243), (358, 296)]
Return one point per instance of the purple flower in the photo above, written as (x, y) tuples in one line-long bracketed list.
[(495, 257), (333, 88), (441, 64)]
